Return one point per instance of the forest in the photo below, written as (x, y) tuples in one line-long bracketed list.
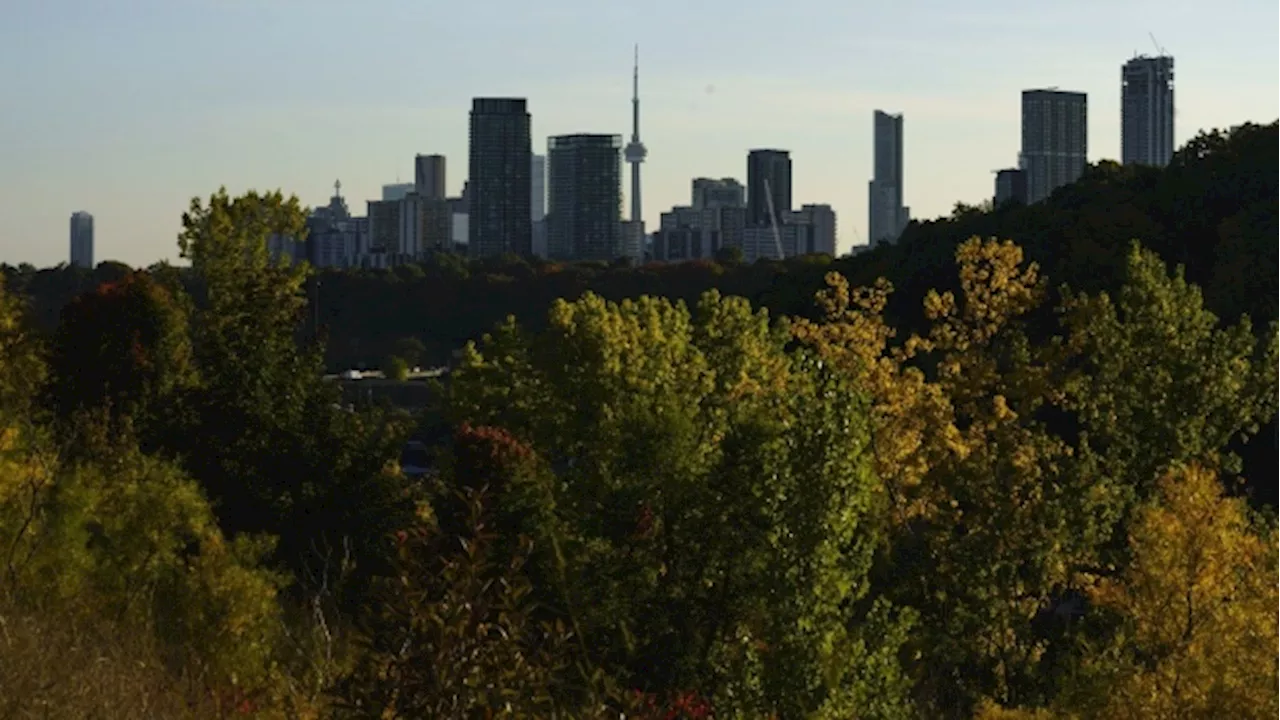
[(1015, 466)]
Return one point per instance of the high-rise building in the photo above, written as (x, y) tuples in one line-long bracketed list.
[(396, 192), (538, 204), (538, 187), (691, 233), (814, 230), (1055, 140), (428, 217), (82, 240), (585, 197), (384, 227), (1011, 186), (711, 193), (499, 183), (768, 169), (1146, 111), (429, 177), (887, 217)]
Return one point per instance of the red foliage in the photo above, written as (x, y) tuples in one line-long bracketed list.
[(644, 522), (683, 705), (488, 455)]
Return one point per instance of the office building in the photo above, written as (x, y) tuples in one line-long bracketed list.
[(712, 193), (692, 233), (809, 230), (768, 177), (82, 240), (887, 216), (1055, 140), (584, 198), (499, 190), (1146, 111), (538, 187), (1011, 186), (814, 230), (396, 192), (538, 204), (429, 177), (384, 227), (428, 217)]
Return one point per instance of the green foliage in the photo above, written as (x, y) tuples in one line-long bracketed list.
[(124, 349), (703, 508), (274, 448), (395, 368)]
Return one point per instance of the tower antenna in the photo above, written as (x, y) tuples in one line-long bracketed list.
[(635, 151)]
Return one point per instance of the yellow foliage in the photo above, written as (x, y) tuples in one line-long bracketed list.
[(1199, 601)]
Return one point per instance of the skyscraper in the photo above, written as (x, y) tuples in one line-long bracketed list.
[(772, 169), (1055, 140), (428, 218), (538, 204), (584, 221), (500, 186), (1146, 111), (886, 215), (82, 240), (538, 188), (429, 177)]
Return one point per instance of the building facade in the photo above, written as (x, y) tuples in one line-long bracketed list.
[(584, 175), (769, 169), (887, 217), (1055, 140), (1011, 186), (713, 193), (82, 240), (499, 189), (690, 233), (396, 191), (1146, 111), (815, 230)]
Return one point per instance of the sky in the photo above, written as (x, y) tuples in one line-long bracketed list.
[(128, 109)]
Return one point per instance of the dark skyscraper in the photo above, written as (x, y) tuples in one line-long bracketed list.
[(1055, 140), (771, 168), (1146, 111), (500, 178), (429, 176), (585, 197), (886, 215), (82, 240)]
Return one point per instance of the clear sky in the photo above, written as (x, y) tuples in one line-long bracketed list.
[(129, 108)]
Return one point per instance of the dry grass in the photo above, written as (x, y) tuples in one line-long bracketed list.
[(54, 667)]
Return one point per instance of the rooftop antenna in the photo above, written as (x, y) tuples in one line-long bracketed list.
[(337, 188)]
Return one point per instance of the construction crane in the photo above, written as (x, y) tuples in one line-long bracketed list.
[(1159, 47), (773, 220)]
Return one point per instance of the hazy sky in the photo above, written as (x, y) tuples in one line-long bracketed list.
[(129, 108)]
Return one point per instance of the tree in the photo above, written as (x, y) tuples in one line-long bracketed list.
[(275, 449), (1197, 610), (124, 349), (704, 509), (395, 368), (989, 514)]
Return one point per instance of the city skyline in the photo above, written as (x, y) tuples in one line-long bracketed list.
[(175, 115)]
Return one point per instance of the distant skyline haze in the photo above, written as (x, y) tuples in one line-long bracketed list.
[(128, 110)]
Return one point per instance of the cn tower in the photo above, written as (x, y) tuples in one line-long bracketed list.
[(635, 151)]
